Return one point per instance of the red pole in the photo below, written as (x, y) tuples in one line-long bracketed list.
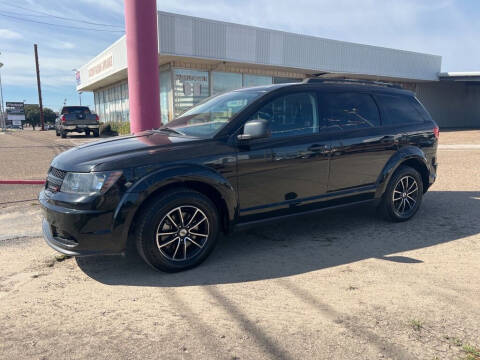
[(142, 61)]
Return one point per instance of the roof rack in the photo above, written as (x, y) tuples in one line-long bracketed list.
[(350, 81)]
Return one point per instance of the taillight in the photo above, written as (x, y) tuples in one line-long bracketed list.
[(63, 119), (436, 132), (96, 118)]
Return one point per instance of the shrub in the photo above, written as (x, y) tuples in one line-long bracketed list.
[(115, 128)]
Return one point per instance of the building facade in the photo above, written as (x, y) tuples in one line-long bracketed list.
[(199, 58)]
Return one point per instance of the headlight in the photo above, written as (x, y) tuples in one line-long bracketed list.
[(89, 183)]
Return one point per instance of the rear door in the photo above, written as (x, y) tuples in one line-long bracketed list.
[(360, 146)]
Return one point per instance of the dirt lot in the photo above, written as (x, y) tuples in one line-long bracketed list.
[(337, 285)]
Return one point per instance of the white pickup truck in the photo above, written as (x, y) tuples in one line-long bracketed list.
[(77, 119)]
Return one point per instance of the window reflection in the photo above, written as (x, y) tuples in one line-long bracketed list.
[(256, 80), (223, 82)]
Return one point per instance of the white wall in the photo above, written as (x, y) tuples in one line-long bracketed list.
[(188, 36)]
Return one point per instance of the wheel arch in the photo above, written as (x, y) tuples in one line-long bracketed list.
[(409, 156), (151, 187)]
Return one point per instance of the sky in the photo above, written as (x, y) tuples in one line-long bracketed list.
[(71, 32)]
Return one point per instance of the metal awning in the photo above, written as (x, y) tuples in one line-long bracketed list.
[(460, 76)]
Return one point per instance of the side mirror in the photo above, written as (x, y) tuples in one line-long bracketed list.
[(254, 129)]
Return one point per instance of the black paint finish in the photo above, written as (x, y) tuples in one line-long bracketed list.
[(248, 181)]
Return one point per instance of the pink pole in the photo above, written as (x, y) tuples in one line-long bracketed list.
[(142, 60)]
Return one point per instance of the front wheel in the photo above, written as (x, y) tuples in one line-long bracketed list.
[(403, 195), (178, 231), (63, 134)]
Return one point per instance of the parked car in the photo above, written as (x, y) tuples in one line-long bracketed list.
[(239, 158), (77, 119)]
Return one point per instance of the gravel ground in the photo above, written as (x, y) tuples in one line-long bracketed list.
[(336, 285)]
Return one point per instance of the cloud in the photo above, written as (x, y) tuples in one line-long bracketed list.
[(54, 71), (62, 45), (9, 34), (112, 5)]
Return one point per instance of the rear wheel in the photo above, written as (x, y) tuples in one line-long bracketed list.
[(57, 133), (178, 231), (403, 195), (95, 133), (63, 134), (87, 133)]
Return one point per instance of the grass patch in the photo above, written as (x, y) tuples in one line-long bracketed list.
[(473, 353), (416, 324), (61, 257), (455, 341)]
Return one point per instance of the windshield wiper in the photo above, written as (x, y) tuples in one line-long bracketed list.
[(170, 130)]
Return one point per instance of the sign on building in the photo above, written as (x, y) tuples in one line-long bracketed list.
[(15, 112)]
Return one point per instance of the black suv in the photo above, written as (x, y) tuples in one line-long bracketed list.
[(241, 157)]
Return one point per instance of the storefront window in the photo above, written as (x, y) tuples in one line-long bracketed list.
[(111, 104), (191, 87), (223, 82), (166, 96), (256, 80)]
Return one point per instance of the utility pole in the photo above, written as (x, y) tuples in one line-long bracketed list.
[(2, 110), (39, 87)]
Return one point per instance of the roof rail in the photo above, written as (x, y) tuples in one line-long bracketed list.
[(350, 81)]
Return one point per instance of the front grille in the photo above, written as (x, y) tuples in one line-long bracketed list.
[(55, 179), (60, 174)]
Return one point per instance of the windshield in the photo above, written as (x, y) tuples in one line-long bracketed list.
[(208, 117)]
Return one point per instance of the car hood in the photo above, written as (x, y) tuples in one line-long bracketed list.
[(118, 152)]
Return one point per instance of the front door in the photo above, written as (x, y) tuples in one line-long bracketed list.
[(288, 170)]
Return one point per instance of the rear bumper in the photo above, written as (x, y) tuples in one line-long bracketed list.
[(80, 127), (80, 232)]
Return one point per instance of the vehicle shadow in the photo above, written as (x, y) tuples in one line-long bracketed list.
[(308, 243)]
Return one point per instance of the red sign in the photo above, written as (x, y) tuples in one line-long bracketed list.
[(101, 66)]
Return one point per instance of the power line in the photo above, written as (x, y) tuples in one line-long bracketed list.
[(59, 17), (59, 25)]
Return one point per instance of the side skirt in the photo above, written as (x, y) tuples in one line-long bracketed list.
[(251, 223)]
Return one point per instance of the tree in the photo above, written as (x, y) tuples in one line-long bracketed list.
[(32, 115)]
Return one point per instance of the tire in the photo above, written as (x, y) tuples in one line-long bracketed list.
[(95, 133), (87, 133), (56, 133), (179, 249), (63, 134), (402, 187)]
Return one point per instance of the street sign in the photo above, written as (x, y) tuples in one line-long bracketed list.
[(15, 111)]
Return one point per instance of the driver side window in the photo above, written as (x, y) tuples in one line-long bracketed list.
[(289, 115)]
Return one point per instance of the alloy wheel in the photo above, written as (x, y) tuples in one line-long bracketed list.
[(182, 233), (405, 195)]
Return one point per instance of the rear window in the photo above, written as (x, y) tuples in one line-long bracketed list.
[(398, 110), (348, 111), (75, 110), (421, 110)]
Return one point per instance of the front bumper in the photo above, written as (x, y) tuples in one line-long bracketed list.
[(80, 232)]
